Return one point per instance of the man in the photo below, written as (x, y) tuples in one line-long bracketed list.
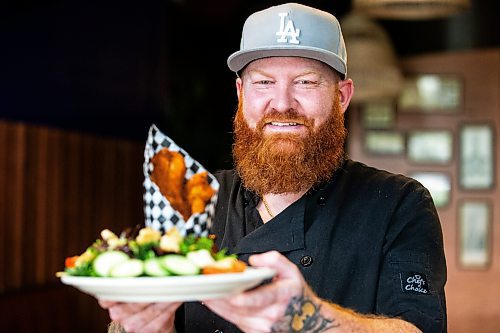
[(355, 249)]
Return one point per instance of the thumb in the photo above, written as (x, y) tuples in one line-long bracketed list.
[(106, 304), (273, 259)]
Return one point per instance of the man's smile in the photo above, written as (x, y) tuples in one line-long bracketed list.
[(283, 126), (275, 123)]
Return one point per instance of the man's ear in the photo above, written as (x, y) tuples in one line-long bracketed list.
[(239, 86), (346, 90)]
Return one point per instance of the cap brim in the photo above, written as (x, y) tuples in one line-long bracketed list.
[(240, 59)]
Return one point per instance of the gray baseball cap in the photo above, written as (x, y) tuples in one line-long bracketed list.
[(291, 30)]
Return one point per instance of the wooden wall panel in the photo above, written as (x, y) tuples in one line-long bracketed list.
[(15, 210), (90, 216), (29, 204), (41, 190), (3, 205), (54, 246), (58, 190), (71, 178), (105, 171)]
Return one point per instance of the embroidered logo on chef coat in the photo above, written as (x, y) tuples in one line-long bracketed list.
[(414, 283), (287, 32)]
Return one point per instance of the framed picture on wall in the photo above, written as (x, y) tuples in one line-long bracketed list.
[(378, 114), (430, 146), (438, 184), (474, 234), (431, 93), (476, 157), (384, 142)]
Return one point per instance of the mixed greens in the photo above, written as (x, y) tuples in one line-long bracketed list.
[(147, 252)]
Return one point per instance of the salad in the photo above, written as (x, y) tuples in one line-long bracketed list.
[(147, 252)]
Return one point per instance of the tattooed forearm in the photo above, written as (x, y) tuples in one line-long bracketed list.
[(302, 315)]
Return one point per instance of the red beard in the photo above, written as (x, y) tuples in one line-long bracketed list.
[(288, 163)]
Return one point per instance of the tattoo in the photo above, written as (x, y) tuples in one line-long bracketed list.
[(302, 315)]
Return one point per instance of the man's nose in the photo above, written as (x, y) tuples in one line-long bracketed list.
[(283, 98)]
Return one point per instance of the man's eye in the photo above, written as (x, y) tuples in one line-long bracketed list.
[(306, 82), (263, 82)]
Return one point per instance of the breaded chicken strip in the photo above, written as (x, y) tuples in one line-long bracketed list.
[(199, 192), (168, 173)]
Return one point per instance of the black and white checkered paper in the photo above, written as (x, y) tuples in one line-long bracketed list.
[(158, 212)]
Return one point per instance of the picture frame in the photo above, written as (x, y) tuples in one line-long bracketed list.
[(476, 162), (474, 234), (438, 184), (383, 142), (379, 114), (430, 146), (431, 93)]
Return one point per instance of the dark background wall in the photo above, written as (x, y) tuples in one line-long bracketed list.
[(113, 68)]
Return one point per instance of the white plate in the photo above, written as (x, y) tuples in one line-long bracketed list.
[(170, 288)]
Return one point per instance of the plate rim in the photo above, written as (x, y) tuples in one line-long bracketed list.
[(250, 273), (170, 288)]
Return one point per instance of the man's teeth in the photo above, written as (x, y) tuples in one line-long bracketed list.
[(283, 124)]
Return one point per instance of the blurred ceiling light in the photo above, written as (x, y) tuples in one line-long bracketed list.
[(410, 9), (372, 63)]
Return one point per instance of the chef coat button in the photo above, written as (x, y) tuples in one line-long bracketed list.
[(245, 203), (321, 201), (306, 261)]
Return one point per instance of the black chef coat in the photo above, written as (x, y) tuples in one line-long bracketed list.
[(367, 240)]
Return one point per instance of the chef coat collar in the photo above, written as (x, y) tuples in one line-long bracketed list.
[(285, 232)]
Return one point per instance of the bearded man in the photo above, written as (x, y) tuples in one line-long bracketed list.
[(355, 249)]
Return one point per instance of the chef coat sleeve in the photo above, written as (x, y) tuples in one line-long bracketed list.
[(413, 272)]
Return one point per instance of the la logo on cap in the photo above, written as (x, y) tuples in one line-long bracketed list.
[(288, 33)]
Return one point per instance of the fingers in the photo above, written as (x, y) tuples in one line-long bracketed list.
[(106, 304), (143, 317), (279, 291), (163, 324), (248, 320), (159, 319), (120, 311), (273, 259), (257, 310), (222, 306)]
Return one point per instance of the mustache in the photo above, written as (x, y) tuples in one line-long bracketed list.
[(289, 116)]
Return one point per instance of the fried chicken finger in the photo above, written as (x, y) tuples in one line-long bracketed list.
[(199, 192)]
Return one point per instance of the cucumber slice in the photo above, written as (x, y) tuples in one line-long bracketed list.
[(200, 258), (105, 261), (128, 268), (179, 265), (152, 267)]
